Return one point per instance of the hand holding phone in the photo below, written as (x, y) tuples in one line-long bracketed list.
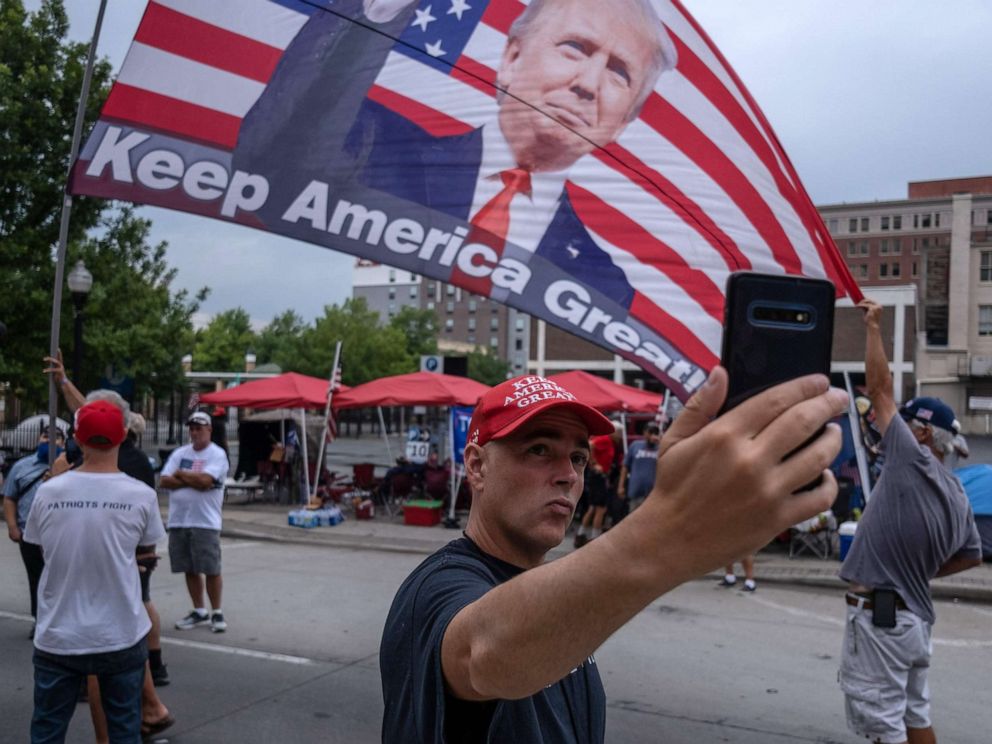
[(776, 328)]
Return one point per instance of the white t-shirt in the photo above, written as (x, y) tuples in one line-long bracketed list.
[(187, 506), (88, 526)]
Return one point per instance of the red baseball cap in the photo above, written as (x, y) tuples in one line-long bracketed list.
[(100, 425), (509, 405)]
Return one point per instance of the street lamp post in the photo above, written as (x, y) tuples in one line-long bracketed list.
[(80, 283)]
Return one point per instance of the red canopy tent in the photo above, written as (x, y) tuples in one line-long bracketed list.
[(605, 395), (288, 390), (414, 389)]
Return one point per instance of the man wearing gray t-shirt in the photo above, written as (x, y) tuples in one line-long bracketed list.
[(917, 526)]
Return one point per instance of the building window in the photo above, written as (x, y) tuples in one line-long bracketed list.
[(913, 271), (896, 270), (494, 341), (832, 225), (392, 308), (471, 338), (449, 325), (449, 306), (883, 248), (392, 275), (936, 219), (392, 293), (863, 271), (985, 267), (520, 324), (896, 247), (852, 248), (925, 220), (519, 345), (472, 305), (430, 305), (413, 292), (864, 248), (864, 224), (897, 222), (988, 217), (916, 246), (985, 320), (450, 289), (852, 225), (471, 324), (494, 323), (885, 222), (883, 270)]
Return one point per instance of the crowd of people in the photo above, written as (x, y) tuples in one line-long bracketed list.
[(485, 641)]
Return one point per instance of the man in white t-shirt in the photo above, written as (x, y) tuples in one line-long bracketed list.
[(91, 620), (195, 475)]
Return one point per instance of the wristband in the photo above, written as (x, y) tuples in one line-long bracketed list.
[(64, 382)]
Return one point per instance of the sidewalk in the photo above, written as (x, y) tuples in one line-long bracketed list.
[(269, 522)]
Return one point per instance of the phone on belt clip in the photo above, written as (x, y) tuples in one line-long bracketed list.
[(883, 611)]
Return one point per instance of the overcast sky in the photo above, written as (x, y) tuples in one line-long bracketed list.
[(864, 96)]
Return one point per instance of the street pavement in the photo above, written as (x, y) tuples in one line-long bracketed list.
[(299, 662)]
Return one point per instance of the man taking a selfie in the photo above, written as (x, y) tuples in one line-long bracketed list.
[(487, 642), (918, 525)]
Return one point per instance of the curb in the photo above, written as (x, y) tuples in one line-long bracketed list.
[(793, 576)]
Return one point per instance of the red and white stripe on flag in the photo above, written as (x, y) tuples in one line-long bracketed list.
[(697, 187)]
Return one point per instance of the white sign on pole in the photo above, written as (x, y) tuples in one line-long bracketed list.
[(431, 363)]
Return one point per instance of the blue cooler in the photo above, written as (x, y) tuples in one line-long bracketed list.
[(846, 533)]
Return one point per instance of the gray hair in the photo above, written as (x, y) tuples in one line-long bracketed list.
[(114, 398), (942, 440), (136, 424), (665, 56)]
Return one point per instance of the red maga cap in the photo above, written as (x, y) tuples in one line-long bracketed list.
[(100, 425), (509, 405)]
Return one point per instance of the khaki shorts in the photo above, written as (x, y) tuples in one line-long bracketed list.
[(883, 673), (194, 550)]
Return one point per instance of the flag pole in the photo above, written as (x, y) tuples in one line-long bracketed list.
[(859, 450), (327, 412), (77, 134)]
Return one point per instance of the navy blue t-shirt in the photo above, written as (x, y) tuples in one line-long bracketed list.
[(418, 709)]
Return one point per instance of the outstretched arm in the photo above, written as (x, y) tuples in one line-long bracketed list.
[(877, 374), (726, 492)]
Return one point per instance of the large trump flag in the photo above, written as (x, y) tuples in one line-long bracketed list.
[(595, 163)]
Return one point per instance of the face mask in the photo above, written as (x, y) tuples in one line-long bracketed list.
[(43, 452)]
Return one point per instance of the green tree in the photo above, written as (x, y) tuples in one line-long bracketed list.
[(134, 320), (419, 327), (487, 368), (222, 345), (281, 341), (368, 350)]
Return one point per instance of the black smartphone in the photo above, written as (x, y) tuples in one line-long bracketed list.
[(776, 328), (883, 611)]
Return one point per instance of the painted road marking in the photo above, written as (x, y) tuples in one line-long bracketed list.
[(951, 642), (199, 645)]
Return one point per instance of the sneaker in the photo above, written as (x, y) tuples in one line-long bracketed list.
[(727, 582), (193, 619), (160, 676), (217, 624), (749, 587)]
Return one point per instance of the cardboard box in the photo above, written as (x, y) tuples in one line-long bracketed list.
[(422, 513)]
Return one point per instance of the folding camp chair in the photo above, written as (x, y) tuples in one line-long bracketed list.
[(814, 536)]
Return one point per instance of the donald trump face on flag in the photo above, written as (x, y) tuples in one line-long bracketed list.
[(574, 73)]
